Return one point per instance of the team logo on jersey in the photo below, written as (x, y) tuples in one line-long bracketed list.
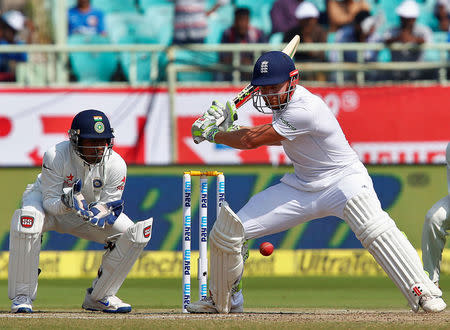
[(99, 127), (69, 180), (97, 183), (264, 66), (147, 231), (26, 221)]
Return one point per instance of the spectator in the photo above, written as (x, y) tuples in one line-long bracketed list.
[(310, 30), (11, 24), (343, 12), (363, 29), (411, 33), (282, 15), (83, 19), (442, 12), (191, 20), (241, 32)]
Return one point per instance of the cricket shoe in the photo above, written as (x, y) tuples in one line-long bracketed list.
[(109, 304), (206, 305), (22, 304), (432, 304)]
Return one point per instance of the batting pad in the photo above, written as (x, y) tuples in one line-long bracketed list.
[(24, 249), (389, 246), (118, 261), (226, 239)]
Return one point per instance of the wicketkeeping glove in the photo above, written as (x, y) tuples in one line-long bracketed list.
[(105, 213), (74, 199)]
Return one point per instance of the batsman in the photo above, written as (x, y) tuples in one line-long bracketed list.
[(328, 180), (79, 192)]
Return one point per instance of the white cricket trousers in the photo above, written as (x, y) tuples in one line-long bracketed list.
[(281, 207), (72, 224)]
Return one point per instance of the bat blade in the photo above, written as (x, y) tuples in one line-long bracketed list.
[(246, 93)]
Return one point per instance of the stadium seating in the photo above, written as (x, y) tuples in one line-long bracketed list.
[(143, 59), (259, 13), (115, 6), (92, 67), (218, 22)]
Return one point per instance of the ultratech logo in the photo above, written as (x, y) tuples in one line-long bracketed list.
[(26, 221), (287, 124)]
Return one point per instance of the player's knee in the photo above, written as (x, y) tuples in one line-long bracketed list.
[(364, 215), (435, 217), (139, 233), (27, 220)]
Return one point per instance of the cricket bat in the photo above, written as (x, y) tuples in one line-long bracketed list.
[(246, 93)]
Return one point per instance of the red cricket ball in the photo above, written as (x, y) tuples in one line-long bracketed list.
[(266, 249)]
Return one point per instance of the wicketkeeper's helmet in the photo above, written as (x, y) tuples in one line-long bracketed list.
[(93, 125), (273, 68)]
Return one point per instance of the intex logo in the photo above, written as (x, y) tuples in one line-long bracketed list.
[(26, 221), (264, 66), (147, 231)]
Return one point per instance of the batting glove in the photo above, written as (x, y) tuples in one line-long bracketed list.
[(224, 115), (204, 128)]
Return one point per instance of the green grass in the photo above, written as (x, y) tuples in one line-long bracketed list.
[(285, 303), (260, 293)]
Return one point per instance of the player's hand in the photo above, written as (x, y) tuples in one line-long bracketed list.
[(74, 199), (224, 115), (105, 213), (204, 128)]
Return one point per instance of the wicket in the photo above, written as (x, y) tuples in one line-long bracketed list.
[(202, 261)]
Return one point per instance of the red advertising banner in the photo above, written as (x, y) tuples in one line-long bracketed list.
[(385, 125)]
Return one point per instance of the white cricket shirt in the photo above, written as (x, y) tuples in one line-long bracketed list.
[(314, 143)]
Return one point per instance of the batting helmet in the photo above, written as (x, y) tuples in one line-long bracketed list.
[(91, 125), (274, 68)]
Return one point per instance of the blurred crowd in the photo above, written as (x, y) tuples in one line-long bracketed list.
[(257, 21)]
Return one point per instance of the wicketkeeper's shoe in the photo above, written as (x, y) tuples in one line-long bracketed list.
[(206, 305), (432, 304), (109, 304), (22, 304)]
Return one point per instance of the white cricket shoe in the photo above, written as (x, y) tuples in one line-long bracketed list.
[(109, 304), (432, 304), (22, 304), (206, 305)]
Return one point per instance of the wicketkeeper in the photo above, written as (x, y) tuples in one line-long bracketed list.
[(329, 180), (79, 192), (434, 234)]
